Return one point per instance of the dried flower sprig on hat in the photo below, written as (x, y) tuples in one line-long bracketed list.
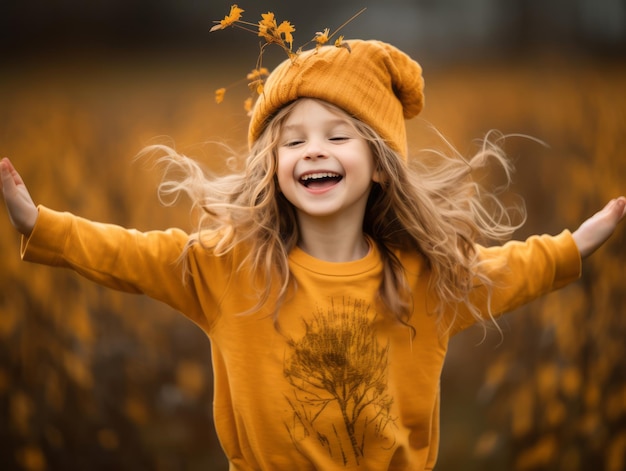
[(272, 33)]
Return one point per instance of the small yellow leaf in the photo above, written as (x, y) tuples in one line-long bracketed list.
[(230, 19), (321, 37), (247, 105), (286, 29), (256, 86), (256, 74), (267, 25), (219, 95), (341, 43)]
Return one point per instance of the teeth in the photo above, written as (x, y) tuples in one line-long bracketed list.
[(313, 176)]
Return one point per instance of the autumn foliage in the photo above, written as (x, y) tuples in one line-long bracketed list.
[(91, 379)]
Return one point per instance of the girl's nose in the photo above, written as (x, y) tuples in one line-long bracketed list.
[(315, 149)]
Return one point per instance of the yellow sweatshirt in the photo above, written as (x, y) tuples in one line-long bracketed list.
[(340, 385)]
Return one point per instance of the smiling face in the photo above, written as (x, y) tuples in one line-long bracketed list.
[(325, 168)]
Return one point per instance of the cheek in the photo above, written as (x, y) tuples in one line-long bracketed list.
[(284, 172), (370, 167)]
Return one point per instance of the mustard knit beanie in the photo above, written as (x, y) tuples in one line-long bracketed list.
[(375, 82)]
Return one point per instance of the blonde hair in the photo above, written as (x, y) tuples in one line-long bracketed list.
[(432, 206)]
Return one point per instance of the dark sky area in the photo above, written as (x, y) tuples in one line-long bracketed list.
[(440, 29)]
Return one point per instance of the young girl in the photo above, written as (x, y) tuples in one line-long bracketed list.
[(330, 274)]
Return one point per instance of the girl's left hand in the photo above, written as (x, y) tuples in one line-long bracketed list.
[(598, 228), (22, 210)]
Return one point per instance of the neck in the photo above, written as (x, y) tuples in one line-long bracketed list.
[(333, 240)]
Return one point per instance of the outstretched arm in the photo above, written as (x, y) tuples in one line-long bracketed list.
[(524, 270), (23, 213), (598, 228), (22, 210)]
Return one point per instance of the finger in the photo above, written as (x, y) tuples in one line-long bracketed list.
[(6, 179), (11, 179), (17, 178), (620, 204)]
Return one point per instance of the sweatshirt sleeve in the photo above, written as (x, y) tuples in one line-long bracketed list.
[(118, 258), (522, 272)]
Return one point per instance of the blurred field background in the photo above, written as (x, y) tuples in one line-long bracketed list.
[(92, 379)]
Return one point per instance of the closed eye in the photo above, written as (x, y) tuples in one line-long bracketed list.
[(292, 143)]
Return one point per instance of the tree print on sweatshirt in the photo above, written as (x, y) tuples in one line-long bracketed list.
[(338, 372)]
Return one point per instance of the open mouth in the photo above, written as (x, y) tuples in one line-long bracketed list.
[(320, 180)]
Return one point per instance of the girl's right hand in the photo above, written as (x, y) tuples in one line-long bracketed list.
[(596, 230), (22, 210)]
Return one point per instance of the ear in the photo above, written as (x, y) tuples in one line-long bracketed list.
[(377, 176)]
